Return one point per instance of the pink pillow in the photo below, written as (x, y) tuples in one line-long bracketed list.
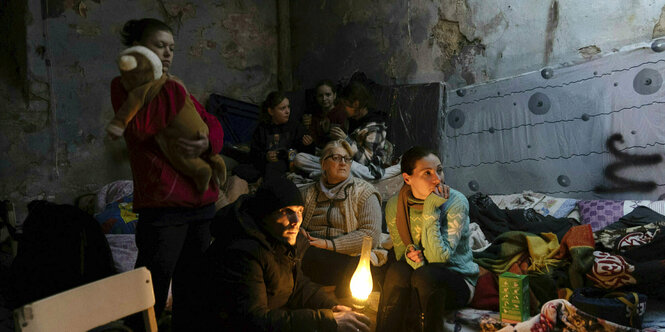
[(600, 213)]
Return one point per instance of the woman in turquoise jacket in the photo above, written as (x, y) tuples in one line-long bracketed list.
[(429, 226)]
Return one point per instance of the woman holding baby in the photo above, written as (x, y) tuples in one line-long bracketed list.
[(173, 228)]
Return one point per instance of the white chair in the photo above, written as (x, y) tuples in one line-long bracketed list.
[(92, 305)]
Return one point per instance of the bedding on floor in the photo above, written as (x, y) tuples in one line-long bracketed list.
[(563, 247), (559, 242), (617, 255), (562, 244)]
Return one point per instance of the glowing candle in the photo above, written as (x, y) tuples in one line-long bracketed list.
[(361, 282)]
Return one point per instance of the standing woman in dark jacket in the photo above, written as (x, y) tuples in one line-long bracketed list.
[(275, 134), (251, 279)]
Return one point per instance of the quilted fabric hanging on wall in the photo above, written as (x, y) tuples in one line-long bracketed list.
[(592, 130)]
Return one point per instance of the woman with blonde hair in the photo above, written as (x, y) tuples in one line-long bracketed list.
[(339, 211)]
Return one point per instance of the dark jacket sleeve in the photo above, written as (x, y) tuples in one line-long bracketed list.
[(338, 116), (257, 147), (243, 277), (301, 131), (308, 294)]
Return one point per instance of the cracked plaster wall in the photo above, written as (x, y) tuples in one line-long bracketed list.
[(53, 143), (461, 42), (230, 47)]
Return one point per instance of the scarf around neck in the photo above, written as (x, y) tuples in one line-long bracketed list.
[(405, 200), (332, 192)]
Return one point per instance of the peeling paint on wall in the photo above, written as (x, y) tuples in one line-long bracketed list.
[(465, 62), (552, 24), (245, 30), (248, 38), (76, 69), (456, 49), (44, 153), (450, 40), (55, 8), (86, 29), (467, 42), (202, 45), (400, 65), (176, 12), (417, 25), (659, 28), (234, 54), (588, 52)]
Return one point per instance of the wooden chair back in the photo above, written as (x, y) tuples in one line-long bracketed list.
[(92, 305)]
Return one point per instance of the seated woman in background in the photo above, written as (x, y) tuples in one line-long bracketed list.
[(372, 153), (339, 211), (329, 114), (273, 137), (430, 233)]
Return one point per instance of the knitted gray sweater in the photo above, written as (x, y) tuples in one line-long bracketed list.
[(354, 212)]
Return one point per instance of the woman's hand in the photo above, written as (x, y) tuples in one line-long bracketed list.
[(271, 156), (442, 190), (415, 255), (307, 140), (337, 133), (350, 321), (340, 308), (305, 233), (319, 243), (192, 148), (315, 241)]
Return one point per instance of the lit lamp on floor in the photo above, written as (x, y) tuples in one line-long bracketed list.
[(361, 282)]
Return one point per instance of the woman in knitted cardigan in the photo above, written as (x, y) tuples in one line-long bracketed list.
[(434, 272), (339, 211)]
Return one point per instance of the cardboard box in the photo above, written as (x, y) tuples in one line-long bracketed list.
[(513, 297)]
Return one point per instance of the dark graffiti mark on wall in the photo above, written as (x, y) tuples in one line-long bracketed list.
[(626, 160)]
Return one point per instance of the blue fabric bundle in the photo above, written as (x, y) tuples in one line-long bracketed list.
[(625, 308)]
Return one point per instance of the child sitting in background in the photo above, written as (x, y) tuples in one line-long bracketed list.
[(329, 114), (275, 135), (372, 152)]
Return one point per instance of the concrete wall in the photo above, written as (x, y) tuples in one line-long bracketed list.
[(58, 61), (461, 42)]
